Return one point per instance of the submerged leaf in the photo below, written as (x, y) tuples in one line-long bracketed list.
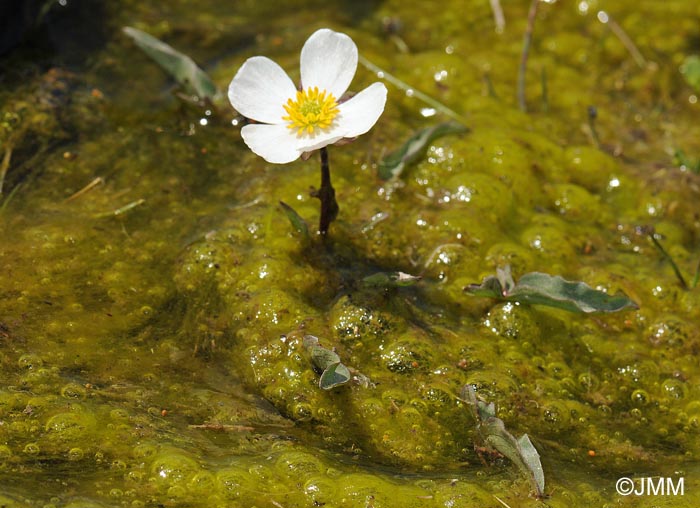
[(179, 66), (390, 279), (393, 164), (690, 68), (335, 374), (295, 219), (551, 290), (683, 161)]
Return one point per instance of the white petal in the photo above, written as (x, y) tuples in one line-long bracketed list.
[(274, 143), (319, 141), (362, 111), (259, 89), (328, 61)]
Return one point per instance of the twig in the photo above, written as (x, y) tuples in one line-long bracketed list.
[(85, 189), (376, 219), (615, 28), (248, 204), (501, 501), (382, 74), (223, 428), (668, 257), (491, 91), (4, 166), (400, 43), (592, 116), (123, 209), (527, 41), (545, 91), (498, 17)]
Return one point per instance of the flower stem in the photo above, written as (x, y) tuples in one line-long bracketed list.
[(329, 206)]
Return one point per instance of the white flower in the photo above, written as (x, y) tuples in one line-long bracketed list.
[(296, 121)]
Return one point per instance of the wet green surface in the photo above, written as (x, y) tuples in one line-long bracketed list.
[(153, 357)]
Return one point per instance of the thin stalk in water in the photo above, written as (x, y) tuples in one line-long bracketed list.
[(527, 41)]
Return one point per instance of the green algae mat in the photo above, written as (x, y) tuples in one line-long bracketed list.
[(171, 335)]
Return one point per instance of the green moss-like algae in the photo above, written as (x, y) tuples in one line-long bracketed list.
[(155, 357)]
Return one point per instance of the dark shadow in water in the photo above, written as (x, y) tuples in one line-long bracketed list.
[(53, 33)]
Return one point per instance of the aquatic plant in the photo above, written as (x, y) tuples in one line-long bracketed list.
[(177, 64), (295, 122), (495, 436), (552, 291)]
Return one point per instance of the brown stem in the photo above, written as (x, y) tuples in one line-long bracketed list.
[(527, 40), (329, 206), (4, 165)]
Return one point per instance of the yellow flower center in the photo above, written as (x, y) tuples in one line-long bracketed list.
[(310, 110)]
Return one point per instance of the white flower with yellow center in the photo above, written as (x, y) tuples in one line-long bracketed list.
[(293, 121)]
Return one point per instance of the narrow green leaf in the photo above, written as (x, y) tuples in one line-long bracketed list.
[(390, 279), (683, 161), (550, 290), (335, 374), (690, 68), (393, 164), (295, 219), (181, 67)]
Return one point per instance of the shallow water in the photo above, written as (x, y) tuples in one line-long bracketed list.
[(151, 324)]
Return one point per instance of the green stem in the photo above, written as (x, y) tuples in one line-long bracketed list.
[(676, 270)]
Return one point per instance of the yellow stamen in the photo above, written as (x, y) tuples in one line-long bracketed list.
[(310, 111)]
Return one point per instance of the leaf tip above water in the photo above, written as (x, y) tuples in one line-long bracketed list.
[(180, 66)]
